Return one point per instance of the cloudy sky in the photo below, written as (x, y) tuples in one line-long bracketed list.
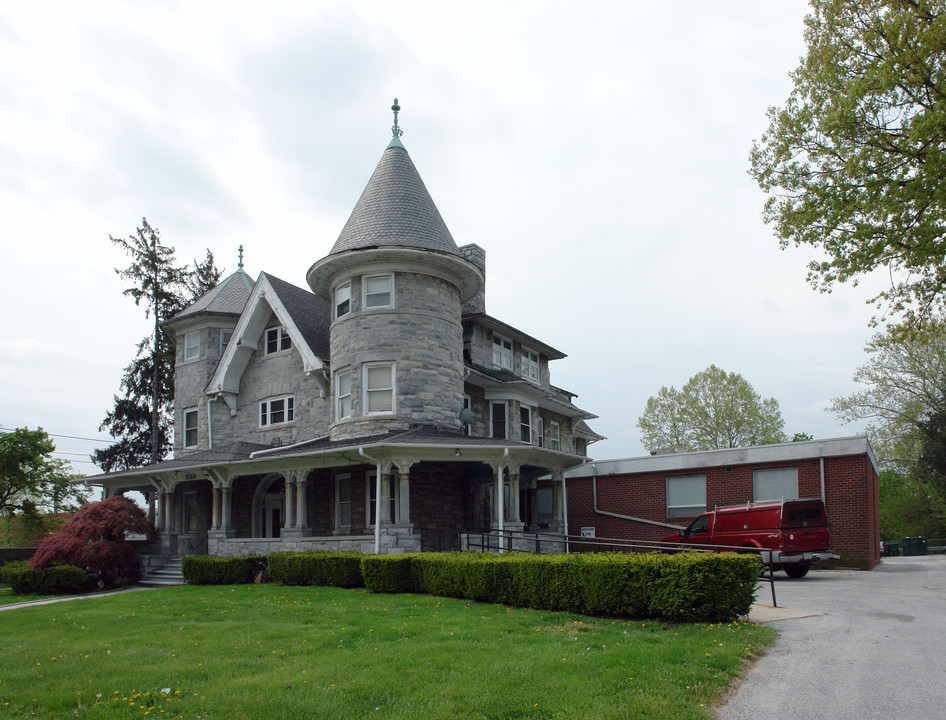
[(598, 151)]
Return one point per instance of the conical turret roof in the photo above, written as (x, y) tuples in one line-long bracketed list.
[(395, 210)]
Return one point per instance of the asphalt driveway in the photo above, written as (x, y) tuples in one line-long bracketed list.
[(877, 650)]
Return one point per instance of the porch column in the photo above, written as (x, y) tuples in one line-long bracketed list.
[(151, 508), (215, 509), (158, 496), (301, 515), (225, 508), (514, 498), (289, 482), (404, 490)]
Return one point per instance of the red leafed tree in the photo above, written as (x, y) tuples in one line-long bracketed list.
[(94, 539)]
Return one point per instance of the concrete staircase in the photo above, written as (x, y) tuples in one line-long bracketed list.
[(167, 575)]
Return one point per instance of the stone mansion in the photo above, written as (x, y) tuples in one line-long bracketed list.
[(381, 409)]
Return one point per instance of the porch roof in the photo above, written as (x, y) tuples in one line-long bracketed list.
[(393, 449)]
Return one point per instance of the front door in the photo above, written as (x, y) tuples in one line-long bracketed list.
[(274, 515)]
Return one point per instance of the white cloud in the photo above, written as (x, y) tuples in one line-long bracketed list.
[(598, 152)]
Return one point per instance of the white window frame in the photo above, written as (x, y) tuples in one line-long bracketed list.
[(502, 352), (340, 481), (228, 334), (525, 424), (555, 435), (191, 412), (266, 411), (366, 297), (343, 398), (782, 478), (191, 346), (683, 484), (282, 340), (529, 365), (367, 390), (393, 497), (540, 431), (342, 296), (492, 418)]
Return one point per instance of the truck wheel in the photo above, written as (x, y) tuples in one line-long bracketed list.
[(796, 571)]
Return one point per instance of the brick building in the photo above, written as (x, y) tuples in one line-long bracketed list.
[(377, 410), (647, 498)]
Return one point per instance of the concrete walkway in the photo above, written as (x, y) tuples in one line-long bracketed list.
[(69, 598), (865, 645)]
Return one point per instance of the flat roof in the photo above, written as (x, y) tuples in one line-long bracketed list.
[(806, 450)]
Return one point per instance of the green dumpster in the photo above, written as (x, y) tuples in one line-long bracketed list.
[(892, 549), (914, 546)]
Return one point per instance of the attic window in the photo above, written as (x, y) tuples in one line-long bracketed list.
[(277, 340)]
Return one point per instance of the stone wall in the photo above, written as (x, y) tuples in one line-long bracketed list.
[(422, 335)]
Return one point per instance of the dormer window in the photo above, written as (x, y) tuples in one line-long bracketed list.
[(277, 340), (529, 365), (502, 352), (191, 346), (342, 300), (379, 291)]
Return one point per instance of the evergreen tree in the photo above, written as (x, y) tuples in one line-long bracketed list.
[(141, 419)]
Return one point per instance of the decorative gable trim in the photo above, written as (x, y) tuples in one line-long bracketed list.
[(263, 302)]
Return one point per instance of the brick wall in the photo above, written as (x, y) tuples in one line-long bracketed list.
[(851, 498)]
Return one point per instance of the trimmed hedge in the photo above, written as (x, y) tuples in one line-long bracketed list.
[(211, 570), (54, 580), (689, 587), (317, 567)]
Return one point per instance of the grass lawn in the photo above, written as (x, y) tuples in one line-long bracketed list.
[(8, 598), (280, 653)]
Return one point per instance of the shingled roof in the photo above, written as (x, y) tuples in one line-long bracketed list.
[(310, 313), (227, 298), (395, 210)]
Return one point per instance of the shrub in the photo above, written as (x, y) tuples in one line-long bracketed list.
[(390, 573), (94, 539), (211, 570), (54, 580), (319, 567), (683, 587)]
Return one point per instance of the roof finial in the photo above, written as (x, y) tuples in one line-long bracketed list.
[(240, 266), (396, 131)]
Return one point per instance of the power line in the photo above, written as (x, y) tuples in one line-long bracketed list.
[(71, 437)]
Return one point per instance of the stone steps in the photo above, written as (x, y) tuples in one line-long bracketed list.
[(167, 576)]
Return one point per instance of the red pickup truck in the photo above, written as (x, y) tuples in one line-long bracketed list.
[(796, 531)]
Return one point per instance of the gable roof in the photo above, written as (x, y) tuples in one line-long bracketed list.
[(395, 210), (227, 298), (304, 316), (311, 314)]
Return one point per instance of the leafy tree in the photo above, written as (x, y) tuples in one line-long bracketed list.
[(802, 437), (854, 161), (714, 410), (32, 482), (903, 380), (94, 539), (909, 507), (141, 419)]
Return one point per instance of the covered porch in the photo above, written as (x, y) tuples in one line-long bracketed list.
[(319, 495)]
